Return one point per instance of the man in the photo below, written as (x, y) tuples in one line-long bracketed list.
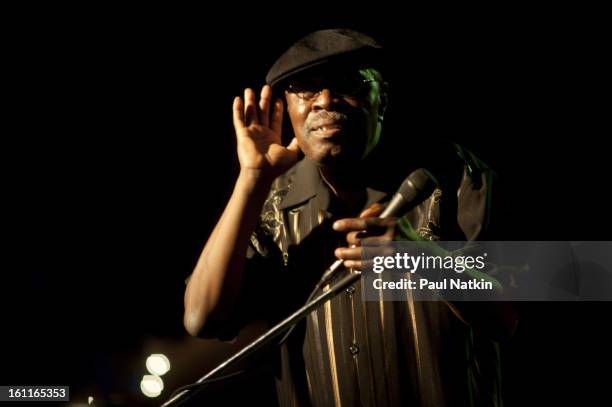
[(287, 220)]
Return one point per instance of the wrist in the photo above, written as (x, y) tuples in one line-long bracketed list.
[(254, 181)]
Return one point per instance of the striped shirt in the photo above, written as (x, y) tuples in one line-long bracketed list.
[(351, 352)]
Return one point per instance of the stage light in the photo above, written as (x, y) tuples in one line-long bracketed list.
[(158, 364), (151, 385)]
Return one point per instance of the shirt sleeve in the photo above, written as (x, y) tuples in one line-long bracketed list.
[(261, 275)]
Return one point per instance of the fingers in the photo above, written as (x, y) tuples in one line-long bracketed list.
[(356, 226), (264, 105), (238, 112), (250, 107), (368, 228), (359, 230), (264, 113), (373, 210), (353, 258), (348, 253), (277, 116), (361, 258), (365, 238), (359, 264), (354, 238), (350, 224), (357, 253), (371, 225), (376, 241)]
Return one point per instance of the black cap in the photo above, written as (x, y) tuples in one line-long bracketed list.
[(321, 47)]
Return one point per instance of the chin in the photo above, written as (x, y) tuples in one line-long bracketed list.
[(337, 157)]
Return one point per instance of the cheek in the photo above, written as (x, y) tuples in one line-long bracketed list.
[(297, 117)]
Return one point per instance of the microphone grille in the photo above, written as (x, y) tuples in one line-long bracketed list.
[(420, 182)]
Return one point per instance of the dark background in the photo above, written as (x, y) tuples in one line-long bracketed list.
[(118, 156)]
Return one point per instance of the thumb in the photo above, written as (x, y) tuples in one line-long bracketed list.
[(293, 146), (372, 211)]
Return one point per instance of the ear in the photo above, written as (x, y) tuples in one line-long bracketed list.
[(384, 100)]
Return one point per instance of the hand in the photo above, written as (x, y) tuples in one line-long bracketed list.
[(367, 228), (258, 135)]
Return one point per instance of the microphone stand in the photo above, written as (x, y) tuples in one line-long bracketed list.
[(301, 313)]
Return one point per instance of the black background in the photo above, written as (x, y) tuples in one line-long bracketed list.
[(118, 156)]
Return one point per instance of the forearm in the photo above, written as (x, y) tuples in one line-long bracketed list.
[(216, 281)]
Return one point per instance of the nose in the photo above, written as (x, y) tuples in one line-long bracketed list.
[(324, 100)]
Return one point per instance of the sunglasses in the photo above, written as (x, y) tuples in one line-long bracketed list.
[(345, 85)]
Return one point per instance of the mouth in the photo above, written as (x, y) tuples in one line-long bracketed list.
[(327, 130)]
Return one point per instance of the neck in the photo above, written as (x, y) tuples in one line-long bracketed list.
[(346, 185)]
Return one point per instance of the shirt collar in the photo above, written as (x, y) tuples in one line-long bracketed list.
[(307, 184)]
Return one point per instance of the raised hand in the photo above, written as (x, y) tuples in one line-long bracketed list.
[(258, 134)]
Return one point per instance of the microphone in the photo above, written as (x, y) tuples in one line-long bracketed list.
[(414, 189)]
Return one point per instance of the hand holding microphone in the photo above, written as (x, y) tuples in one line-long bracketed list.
[(369, 227), (376, 224)]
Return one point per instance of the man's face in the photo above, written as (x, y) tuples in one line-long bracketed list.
[(335, 114)]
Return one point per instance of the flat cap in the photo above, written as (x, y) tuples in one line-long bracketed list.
[(321, 47)]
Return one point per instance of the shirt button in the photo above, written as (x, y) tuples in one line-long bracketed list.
[(354, 348), (351, 290)]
